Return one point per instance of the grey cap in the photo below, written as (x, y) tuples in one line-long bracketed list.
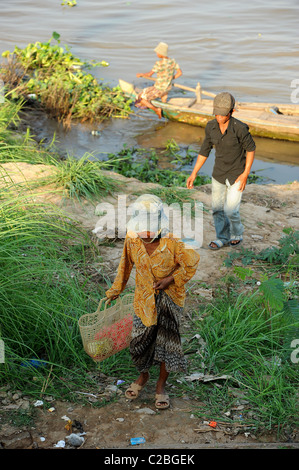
[(223, 103)]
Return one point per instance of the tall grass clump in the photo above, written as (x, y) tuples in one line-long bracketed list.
[(82, 178), (44, 288), (14, 145)]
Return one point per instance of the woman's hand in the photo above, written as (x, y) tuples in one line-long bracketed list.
[(112, 298), (163, 283)]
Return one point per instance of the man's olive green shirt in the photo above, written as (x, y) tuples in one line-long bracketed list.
[(230, 149)]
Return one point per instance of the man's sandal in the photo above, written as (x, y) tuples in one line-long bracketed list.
[(219, 244), (133, 390), (162, 401), (236, 242)]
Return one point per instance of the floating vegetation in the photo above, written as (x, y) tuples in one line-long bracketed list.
[(59, 82), (143, 164)]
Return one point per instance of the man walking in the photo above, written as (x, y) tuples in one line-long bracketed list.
[(234, 151)]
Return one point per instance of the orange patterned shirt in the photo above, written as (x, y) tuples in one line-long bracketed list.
[(170, 257)]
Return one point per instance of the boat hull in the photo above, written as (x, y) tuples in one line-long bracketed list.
[(269, 120), (260, 129)]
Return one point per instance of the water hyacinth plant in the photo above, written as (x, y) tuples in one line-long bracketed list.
[(61, 84)]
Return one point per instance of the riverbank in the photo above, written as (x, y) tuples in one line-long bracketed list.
[(266, 211), (50, 279)]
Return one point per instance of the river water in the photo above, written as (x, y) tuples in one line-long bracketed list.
[(248, 48)]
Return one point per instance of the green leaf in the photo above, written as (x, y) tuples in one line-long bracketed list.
[(242, 273), (55, 36), (273, 290)]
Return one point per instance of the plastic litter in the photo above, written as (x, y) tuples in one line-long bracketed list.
[(60, 444), (66, 418), (75, 440), (137, 440), (213, 424), (36, 363), (38, 403)]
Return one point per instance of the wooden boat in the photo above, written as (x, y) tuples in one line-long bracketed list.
[(271, 120)]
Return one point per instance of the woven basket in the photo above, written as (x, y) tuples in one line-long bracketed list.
[(106, 332)]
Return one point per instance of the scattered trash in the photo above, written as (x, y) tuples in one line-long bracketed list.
[(66, 418), (95, 133), (120, 419), (60, 444), (42, 439), (51, 409), (38, 403), (290, 284), (213, 424), (69, 425), (119, 382), (89, 394), (206, 378), (36, 363), (137, 440), (78, 426), (75, 440)]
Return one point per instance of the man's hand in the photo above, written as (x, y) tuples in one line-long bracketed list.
[(144, 75), (190, 181), (163, 283), (243, 180), (244, 176)]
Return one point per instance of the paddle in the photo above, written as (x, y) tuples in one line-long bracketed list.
[(183, 87)]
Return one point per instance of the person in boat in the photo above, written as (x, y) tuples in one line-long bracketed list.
[(167, 70), (163, 266), (234, 155)]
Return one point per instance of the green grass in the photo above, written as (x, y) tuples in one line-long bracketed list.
[(44, 288), (253, 350), (82, 178)]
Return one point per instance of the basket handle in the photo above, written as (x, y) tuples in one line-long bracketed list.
[(100, 304), (106, 303)]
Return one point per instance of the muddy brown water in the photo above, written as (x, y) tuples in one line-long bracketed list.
[(247, 48)]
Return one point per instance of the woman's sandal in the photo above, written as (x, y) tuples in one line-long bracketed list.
[(162, 401), (135, 389)]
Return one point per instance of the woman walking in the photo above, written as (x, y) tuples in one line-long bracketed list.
[(163, 266)]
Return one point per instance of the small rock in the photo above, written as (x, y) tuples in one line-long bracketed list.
[(257, 237), (145, 411), (111, 388)]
